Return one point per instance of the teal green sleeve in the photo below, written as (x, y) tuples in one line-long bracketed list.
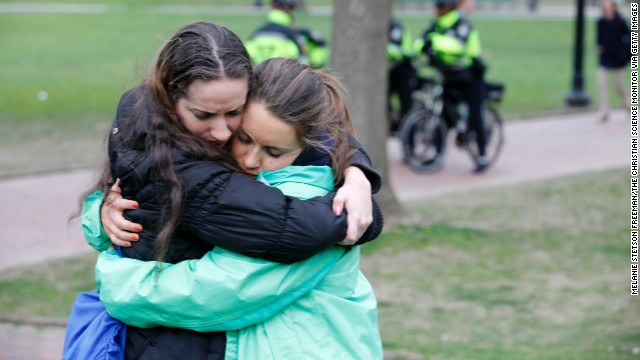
[(91, 225), (223, 290), (220, 292)]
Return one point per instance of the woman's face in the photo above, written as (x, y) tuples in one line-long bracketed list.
[(467, 6), (264, 142), (608, 8), (213, 109)]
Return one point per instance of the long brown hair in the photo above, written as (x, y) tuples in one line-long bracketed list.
[(311, 101), (197, 51)]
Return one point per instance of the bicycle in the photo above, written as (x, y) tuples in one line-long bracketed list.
[(424, 130)]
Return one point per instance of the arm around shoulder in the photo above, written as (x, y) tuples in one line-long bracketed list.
[(242, 215), (220, 292), (361, 159)]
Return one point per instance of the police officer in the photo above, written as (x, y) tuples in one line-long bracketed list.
[(453, 46), (278, 37), (402, 74), (314, 46)]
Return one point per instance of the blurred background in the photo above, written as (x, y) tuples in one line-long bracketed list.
[(537, 270), (64, 66)]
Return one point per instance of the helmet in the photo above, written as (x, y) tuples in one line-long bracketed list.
[(445, 3), (284, 4)]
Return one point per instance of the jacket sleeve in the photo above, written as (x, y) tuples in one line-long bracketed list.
[(473, 46), (239, 214), (91, 225), (222, 291), (361, 159), (303, 227), (376, 226)]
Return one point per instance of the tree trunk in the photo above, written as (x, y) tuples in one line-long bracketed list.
[(360, 33)]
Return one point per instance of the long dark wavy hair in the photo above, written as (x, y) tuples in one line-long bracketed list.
[(197, 51), (311, 101)]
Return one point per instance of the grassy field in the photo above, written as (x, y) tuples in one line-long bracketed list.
[(61, 75), (85, 61), (529, 272), (538, 271)]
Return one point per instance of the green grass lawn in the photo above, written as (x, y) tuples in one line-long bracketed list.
[(536, 271), (85, 61), (61, 75)]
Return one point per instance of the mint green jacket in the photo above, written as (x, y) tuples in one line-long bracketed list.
[(322, 307)]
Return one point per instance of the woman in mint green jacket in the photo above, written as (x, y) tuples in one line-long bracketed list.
[(329, 310), (322, 307)]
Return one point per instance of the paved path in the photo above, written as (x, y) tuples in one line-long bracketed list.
[(34, 210), (535, 149)]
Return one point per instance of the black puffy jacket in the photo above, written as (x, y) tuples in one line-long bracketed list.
[(222, 208)]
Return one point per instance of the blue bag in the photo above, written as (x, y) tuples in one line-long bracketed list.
[(91, 332)]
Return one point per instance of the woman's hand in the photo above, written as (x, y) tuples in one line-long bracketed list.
[(120, 230), (355, 196)]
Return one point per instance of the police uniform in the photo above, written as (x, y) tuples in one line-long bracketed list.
[(276, 38), (402, 74), (453, 46)]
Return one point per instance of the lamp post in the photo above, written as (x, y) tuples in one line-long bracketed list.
[(577, 97)]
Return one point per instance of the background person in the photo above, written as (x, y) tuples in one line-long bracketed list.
[(614, 53), (466, 6), (281, 37), (402, 74), (276, 37), (453, 46)]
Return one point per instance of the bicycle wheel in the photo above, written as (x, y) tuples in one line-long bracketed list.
[(495, 138), (424, 141)]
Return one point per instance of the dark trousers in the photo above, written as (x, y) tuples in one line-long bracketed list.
[(471, 86), (402, 81)]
